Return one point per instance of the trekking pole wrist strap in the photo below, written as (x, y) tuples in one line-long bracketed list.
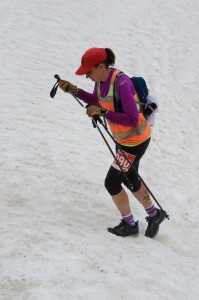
[(76, 90), (103, 111)]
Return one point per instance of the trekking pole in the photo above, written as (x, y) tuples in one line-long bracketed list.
[(130, 185), (94, 121), (131, 165), (54, 90)]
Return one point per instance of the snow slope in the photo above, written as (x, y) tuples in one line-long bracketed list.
[(54, 209)]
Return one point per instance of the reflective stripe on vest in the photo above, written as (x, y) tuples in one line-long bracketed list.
[(128, 136)]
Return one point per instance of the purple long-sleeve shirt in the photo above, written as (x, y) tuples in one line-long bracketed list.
[(129, 116)]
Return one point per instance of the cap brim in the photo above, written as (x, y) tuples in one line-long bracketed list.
[(82, 70)]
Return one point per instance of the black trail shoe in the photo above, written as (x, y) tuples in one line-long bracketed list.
[(124, 229), (154, 222)]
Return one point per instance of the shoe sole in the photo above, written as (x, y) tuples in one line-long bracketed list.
[(112, 231)]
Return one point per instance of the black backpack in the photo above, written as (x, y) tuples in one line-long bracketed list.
[(142, 91)]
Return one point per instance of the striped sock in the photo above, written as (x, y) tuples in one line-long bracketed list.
[(129, 219), (151, 210)]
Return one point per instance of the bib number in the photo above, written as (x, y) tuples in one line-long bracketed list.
[(121, 160)]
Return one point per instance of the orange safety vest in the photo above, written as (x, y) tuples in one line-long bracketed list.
[(124, 135)]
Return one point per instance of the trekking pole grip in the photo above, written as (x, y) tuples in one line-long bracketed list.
[(54, 89), (56, 76)]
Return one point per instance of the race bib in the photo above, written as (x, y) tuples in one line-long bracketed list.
[(121, 160)]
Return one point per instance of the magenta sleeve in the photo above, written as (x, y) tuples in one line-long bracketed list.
[(129, 117), (89, 98)]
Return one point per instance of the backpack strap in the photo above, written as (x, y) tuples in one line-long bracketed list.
[(117, 102)]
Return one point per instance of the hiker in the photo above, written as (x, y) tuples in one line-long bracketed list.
[(129, 128)]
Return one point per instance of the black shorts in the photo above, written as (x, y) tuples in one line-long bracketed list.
[(115, 178)]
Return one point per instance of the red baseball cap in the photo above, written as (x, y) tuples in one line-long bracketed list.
[(91, 58)]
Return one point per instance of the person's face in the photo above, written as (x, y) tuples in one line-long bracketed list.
[(95, 74)]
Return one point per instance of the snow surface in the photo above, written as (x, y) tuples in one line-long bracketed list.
[(54, 208)]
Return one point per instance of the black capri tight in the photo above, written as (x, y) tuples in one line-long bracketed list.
[(115, 179)]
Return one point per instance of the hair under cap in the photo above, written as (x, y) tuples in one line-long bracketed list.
[(91, 58)]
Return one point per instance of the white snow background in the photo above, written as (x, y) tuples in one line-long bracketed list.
[(54, 243)]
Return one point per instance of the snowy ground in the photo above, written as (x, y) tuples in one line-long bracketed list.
[(54, 209)]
